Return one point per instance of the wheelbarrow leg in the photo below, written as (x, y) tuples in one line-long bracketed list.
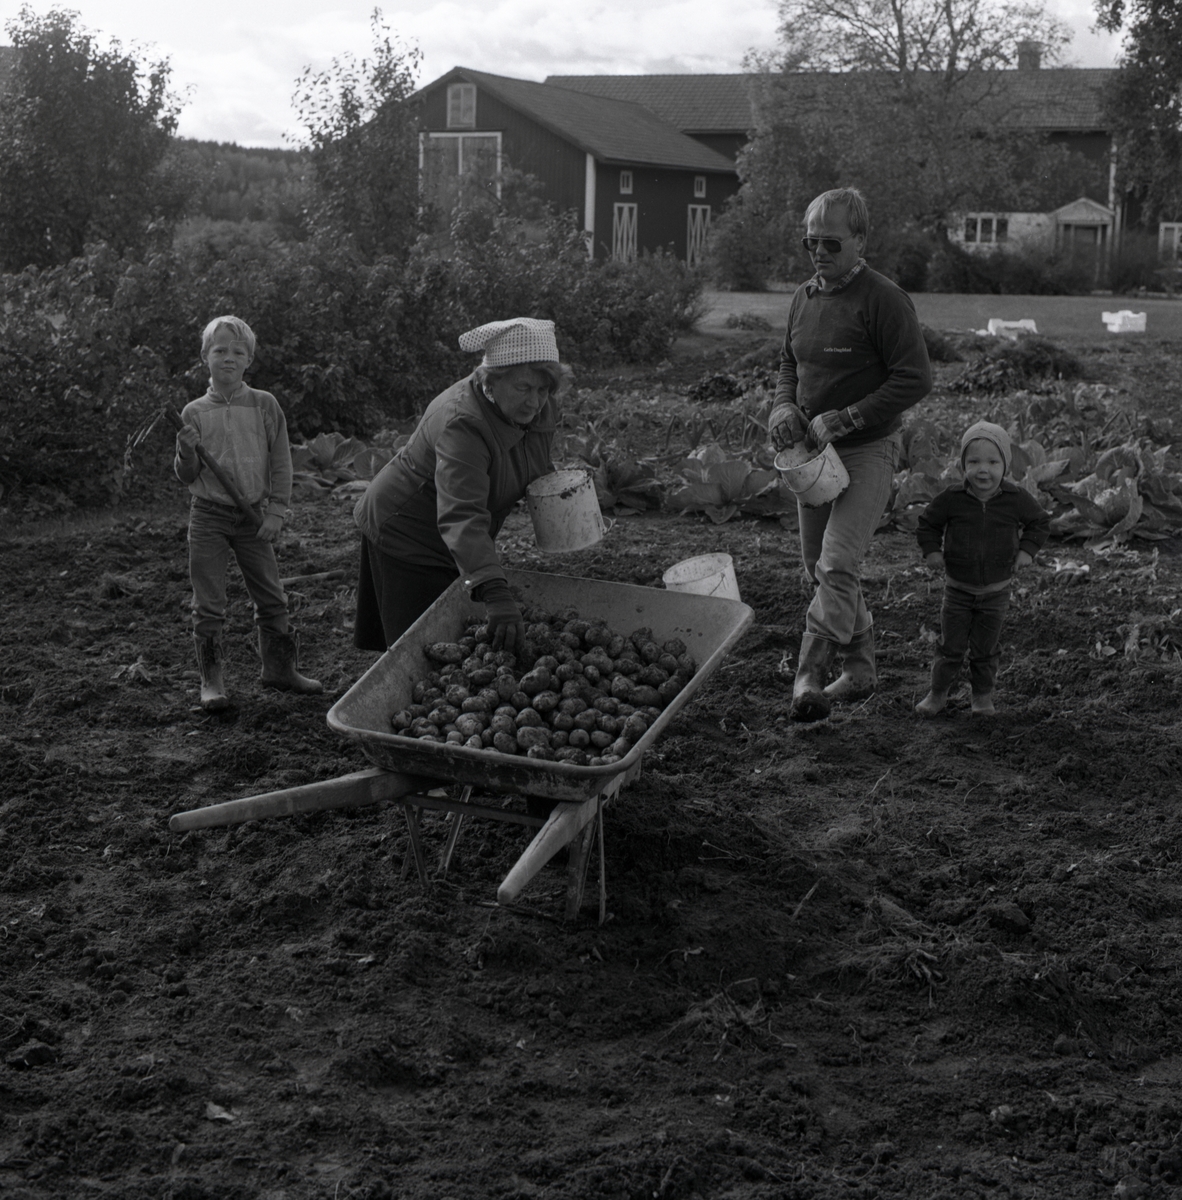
[(580, 861), (416, 844), (453, 835)]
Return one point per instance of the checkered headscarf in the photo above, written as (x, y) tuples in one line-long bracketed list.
[(518, 340)]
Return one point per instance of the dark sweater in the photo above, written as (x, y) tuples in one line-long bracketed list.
[(981, 538), (861, 348)]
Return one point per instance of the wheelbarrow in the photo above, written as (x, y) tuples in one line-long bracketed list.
[(416, 774)]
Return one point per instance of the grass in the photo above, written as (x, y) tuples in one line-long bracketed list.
[(1055, 316)]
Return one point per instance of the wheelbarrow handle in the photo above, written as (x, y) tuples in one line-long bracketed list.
[(231, 488)]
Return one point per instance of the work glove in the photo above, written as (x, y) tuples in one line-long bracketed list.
[(506, 626), (790, 427), (829, 427)]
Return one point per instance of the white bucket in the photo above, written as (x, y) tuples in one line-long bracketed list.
[(565, 511), (706, 575), (815, 480)]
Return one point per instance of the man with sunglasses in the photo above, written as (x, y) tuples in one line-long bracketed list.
[(852, 362)]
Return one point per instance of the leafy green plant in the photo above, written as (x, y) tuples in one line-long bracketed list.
[(624, 485), (721, 487)]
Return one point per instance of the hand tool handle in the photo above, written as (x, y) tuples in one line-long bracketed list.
[(218, 474)]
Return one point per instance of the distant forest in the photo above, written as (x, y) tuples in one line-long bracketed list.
[(228, 182)]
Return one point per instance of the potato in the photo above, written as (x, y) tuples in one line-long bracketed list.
[(537, 680), (454, 738), (622, 688), (650, 652), (424, 728), (519, 700), (579, 738), (505, 710), (592, 673), (475, 742), (445, 652), (539, 751), (567, 671), (669, 689), (675, 646), (571, 754), (401, 720), (629, 667), (578, 627), (634, 728), (548, 661), (456, 694), (607, 704), (546, 702), (601, 740), (608, 724), (503, 724), (652, 675), (529, 717), (442, 714), (506, 685), (639, 636), (667, 663), (562, 721), (506, 743), (687, 664), (532, 736), (482, 677), (486, 739), (558, 739), (645, 696), (620, 747), (588, 719), (615, 646), (572, 641), (597, 635), (469, 724)]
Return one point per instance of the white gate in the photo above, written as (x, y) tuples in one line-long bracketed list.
[(696, 231), (624, 232)]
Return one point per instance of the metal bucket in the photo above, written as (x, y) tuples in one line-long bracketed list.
[(814, 479), (706, 575), (565, 511)]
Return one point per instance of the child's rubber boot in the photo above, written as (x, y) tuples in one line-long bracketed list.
[(809, 702), (859, 676), (280, 655), (933, 703), (983, 705), (210, 662), (944, 675)]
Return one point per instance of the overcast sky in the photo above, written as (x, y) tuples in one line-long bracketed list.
[(238, 63)]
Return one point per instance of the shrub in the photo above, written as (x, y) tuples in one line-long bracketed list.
[(1008, 272), (1008, 365)]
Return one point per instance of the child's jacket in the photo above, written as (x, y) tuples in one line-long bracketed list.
[(247, 437), (981, 538)]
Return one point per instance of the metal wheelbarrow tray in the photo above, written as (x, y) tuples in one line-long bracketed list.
[(709, 627)]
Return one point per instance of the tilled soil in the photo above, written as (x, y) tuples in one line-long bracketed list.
[(876, 956)]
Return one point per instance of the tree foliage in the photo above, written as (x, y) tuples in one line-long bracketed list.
[(362, 139), (1145, 101), (84, 137), (903, 98)]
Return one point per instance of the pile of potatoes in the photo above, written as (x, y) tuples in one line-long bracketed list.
[(575, 691)]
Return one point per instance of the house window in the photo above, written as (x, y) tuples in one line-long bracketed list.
[(697, 229), (625, 183), (699, 186), (461, 106), (624, 232), (986, 229), (1169, 241), (456, 166)]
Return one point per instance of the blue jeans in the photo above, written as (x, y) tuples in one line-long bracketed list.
[(969, 624), (834, 539), (214, 531)]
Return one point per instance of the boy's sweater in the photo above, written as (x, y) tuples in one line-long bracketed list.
[(247, 437), (981, 538), (861, 346)]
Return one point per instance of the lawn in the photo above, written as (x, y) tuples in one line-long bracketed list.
[(1055, 316)]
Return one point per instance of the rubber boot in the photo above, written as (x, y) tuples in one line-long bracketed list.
[(859, 676), (944, 675), (809, 702), (210, 662), (983, 705), (280, 655)]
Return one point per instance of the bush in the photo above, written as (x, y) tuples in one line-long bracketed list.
[(1136, 263), (1008, 365), (89, 350), (1016, 272)]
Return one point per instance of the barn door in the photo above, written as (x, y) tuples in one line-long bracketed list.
[(697, 228), (624, 232)]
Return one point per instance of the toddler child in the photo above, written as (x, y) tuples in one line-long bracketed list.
[(979, 533), (245, 433)]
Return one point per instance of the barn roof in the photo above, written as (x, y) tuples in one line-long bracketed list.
[(614, 131), (1047, 99), (691, 103)]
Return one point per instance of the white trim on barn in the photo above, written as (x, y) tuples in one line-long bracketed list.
[(589, 204), (697, 229), (624, 232)]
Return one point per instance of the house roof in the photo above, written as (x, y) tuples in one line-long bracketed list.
[(691, 103), (1048, 99), (614, 131)]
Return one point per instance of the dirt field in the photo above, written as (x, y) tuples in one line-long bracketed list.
[(871, 957)]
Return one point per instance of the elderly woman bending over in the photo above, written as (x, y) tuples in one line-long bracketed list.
[(432, 513)]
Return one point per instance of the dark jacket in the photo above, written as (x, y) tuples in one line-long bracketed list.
[(858, 347), (442, 499), (981, 538)]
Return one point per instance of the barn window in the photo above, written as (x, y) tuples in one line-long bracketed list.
[(454, 168), (625, 183), (697, 230), (461, 106), (624, 232), (699, 186), (986, 229)]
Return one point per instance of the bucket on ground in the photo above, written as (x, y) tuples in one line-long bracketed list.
[(815, 479), (706, 575), (565, 511)]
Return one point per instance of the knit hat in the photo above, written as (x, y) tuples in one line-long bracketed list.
[(518, 340), (991, 433)]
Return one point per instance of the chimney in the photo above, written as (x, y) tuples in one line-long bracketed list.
[(1029, 56)]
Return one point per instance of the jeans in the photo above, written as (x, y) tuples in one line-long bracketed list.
[(969, 624), (214, 531), (834, 539)]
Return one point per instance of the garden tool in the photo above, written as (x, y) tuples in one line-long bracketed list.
[(231, 489)]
